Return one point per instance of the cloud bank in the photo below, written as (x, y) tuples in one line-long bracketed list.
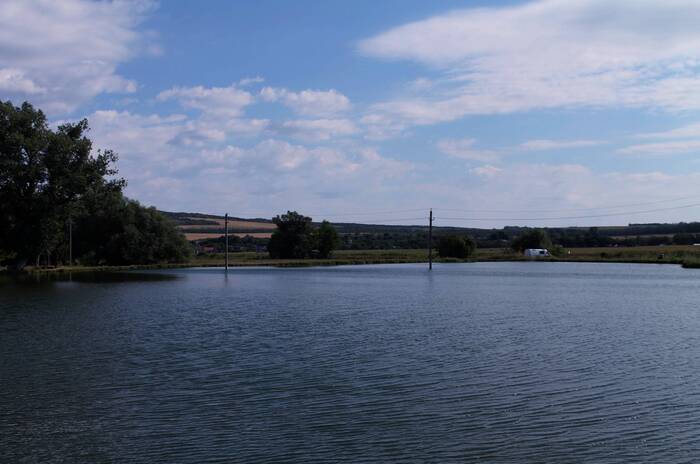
[(548, 54)]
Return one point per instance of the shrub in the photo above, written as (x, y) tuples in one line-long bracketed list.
[(455, 246)]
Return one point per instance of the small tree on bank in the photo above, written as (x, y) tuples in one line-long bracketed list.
[(455, 246), (327, 239)]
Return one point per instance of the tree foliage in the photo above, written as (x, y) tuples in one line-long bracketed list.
[(535, 238), (327, 239), (455, 246), (295, 238), (116, 230), (49, 177)]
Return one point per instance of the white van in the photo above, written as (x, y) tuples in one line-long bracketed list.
[(537, 252)]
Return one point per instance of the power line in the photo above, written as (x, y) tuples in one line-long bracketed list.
[(370, 213), (348, 217), (563, 210), (397, 220), (319, 215), (589, 216), (629, 205)]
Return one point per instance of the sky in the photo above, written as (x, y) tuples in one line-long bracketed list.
[(545, 113)]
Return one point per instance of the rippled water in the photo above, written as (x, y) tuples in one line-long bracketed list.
[(490, 362)]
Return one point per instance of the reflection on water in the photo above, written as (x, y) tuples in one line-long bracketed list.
[(488, 362), (84, 277)]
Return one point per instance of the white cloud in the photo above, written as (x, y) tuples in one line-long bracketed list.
[(464, 149), (486, 170), (560, 195), (381, 127), (173, 163), (549, 54), (662, 148), (221, 113), (133, 134), (687, 131), (274, 175), (684, 139), (62, 54), (218, 101), (317, 103), (250, 81), (14, 81), (545, 144), (320, 129)]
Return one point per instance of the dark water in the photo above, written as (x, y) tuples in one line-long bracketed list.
[(492, 362)]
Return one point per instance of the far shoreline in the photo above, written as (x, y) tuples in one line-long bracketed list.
[(333, 262)]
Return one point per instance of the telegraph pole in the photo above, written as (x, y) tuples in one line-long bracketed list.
[(70, 241), (226, 240), (430, 241)]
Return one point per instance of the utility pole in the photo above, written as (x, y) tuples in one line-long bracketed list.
[(430, 242), (70, 241), (226, 235)]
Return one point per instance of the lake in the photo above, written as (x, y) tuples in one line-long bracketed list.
[(486, 362)]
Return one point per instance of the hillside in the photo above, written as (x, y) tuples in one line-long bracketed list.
[(197, 226), (201, 227)]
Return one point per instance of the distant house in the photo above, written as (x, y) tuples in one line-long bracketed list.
[(203, 249), (536, 252)]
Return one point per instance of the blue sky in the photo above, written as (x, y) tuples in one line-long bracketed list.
[(493, 113)]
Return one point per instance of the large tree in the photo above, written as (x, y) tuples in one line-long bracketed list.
[(50, 177), (43, 176), (293, 237)]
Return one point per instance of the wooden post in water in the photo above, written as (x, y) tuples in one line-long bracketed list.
[(70, 241), (430, 241), (226, 240)]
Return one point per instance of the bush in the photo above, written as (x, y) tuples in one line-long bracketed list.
[(455, 246), (114, 230), (327, 239)]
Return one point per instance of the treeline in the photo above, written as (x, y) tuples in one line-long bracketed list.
[(51, 184), (502, 238), (385, 241), (573, 238), (592, 238), (653, 229)]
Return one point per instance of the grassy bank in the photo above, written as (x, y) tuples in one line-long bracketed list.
[(688, 256), (668, 255)]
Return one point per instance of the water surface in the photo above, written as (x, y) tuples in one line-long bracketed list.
[(488, 362)]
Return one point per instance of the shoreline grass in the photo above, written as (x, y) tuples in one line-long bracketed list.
[(686, 256)]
